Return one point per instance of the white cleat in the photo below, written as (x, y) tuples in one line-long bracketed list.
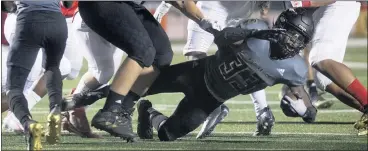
[(12, 124), (323, 104), (212, 120)]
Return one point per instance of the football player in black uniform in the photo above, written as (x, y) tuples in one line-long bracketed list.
[(250, 57)]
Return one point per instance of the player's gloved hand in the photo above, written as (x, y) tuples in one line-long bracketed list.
[(161, 10), (272, 35), (210, 26), (231, 35)]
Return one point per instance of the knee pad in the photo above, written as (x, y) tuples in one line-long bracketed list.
[(321, 80), (144, 58), (164, 60)]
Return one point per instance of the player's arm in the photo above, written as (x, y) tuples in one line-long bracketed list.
[(236, 35), (311, 3), (189, 9), (161, 10), (296, 102)]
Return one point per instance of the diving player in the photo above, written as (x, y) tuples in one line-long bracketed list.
[(225, 14), (242, 65)]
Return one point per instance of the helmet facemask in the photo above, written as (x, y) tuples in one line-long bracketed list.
[(288, 45)]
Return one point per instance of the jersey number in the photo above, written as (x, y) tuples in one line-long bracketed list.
[(238, 74)]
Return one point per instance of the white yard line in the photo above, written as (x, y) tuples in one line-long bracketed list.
[(274, 133), (356, 65), (163, 107)]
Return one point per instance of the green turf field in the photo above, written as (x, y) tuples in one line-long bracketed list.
[(333, 129)]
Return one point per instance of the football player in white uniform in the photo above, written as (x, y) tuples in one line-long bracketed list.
[(333, 25), (102, 65)]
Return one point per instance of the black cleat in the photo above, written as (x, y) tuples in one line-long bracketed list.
[(265, 122), (144, 128), (116, 121), (82, 99)]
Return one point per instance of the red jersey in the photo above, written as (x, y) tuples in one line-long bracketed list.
[(69, 12), (3, 40)]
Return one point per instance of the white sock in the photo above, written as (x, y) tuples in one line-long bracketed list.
[(32, 99), (259, 100)]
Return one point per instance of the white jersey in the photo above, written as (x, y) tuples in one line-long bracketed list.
[(226, 14), (233, 11)]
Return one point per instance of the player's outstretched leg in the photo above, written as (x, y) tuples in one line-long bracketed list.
[(264, 116), (212, 120)]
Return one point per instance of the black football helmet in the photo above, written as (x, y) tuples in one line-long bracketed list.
[(299, 27)]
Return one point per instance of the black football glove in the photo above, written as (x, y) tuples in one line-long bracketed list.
[(231, 35)]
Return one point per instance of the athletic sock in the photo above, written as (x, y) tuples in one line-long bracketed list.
[(358, 91), (312, 86), (130, 100), (113, 99), (157, 118), (259, 101)]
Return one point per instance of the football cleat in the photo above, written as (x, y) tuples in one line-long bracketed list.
[(362, 125), (265, 122), (54, 126), (212, 120), (33, 135), (12, 124), (323, 104), (144, 128), (116, 121), (82, 99), (76, 122)]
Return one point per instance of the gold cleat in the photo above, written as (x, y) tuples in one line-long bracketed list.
[(363, 132), (54, 126), (362, 125), (34, 136)]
